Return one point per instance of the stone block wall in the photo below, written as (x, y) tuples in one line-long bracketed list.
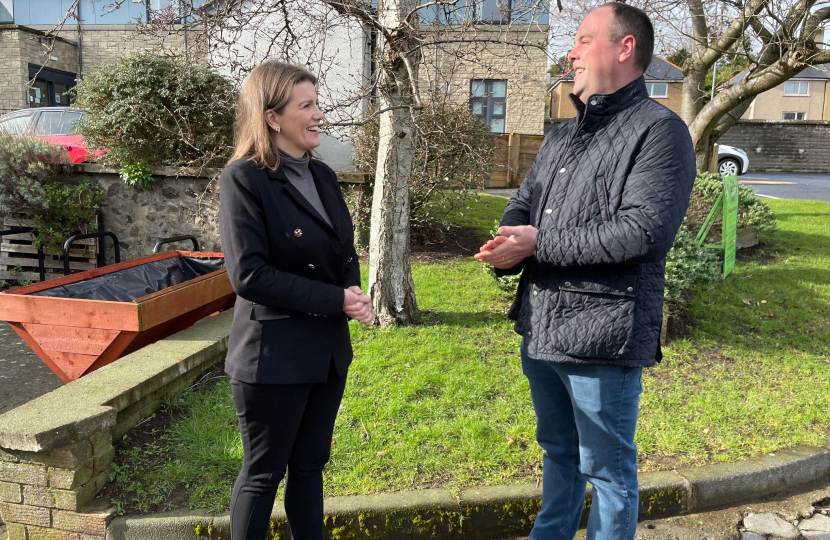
[(107, 44), (56, 452), (788, 146), (21, 46), (448, 68)]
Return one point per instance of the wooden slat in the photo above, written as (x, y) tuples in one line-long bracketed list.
[(87, 341), (31, 342), (73, 365), (48, 262), (67, 311), (160, 307), (21, 276), (85, 253)]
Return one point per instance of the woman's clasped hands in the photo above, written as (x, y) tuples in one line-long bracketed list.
[(358, 306)]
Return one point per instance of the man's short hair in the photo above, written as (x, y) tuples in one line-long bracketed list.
[(630, 21)]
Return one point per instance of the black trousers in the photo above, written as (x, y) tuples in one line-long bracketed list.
[(283, 426)]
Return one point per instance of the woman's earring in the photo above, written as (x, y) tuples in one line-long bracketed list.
[(277, 129)]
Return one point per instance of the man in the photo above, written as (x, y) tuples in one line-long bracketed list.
[(589, 229)]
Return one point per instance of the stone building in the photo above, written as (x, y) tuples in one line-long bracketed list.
[(29, 52)]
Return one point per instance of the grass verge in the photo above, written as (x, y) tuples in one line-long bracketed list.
[(445, 403)]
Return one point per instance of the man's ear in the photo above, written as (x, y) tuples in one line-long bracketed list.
[(627, 49), (272, 120)]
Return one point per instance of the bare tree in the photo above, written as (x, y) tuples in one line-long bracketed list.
[(418, 49)]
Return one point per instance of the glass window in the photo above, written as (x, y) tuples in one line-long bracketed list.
[(57, 123), (39, 94), (493, 11), (793, 116), (796, 88), (488, 102), (657, 90), (16, 124), (6, 11)]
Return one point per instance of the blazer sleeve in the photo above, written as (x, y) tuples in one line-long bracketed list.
[(245, 244)]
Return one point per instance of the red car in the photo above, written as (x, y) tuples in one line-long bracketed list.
[(54, 125)]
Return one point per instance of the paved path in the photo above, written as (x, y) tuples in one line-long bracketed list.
[(23, 376)]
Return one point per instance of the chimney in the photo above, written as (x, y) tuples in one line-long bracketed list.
[(820, 37)]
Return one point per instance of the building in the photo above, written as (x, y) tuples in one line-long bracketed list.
[(27, 51), (664, 81), (804, 97)]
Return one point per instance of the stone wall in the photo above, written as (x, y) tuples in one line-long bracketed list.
[(108, 44), (21, 46), (184, 202), (180, 202), (56, 452), (449, 68), (788, 146)]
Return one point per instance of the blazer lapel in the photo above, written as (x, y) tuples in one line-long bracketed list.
[(323, 190), (330, 199)]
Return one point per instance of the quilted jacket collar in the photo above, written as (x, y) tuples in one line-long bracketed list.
[(609, 104)]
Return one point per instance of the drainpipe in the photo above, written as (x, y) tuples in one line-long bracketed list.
[(80, 43)]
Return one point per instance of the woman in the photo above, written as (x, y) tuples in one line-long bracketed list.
[(288, 243)]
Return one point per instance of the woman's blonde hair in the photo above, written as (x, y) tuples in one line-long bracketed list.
[(268, 86)]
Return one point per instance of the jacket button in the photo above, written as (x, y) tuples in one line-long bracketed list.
[(630, 289), (311, 267), (548, 211), (567, 284), (593, 102), (529, 334), (349, 259), (535, 293), (562, 170), (298, 232)]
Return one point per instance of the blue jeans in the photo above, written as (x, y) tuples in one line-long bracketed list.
[(586, 416)]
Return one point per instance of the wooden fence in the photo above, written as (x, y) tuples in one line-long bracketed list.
[(514, 156)]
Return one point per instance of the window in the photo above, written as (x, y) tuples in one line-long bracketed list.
[(50, 88), (16, 124), (793, 116), (6, 12), (657, 90), (57, 123), (796, 88), (488, 101), (483, 11)]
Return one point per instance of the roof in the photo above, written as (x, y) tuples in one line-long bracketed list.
[(820, 72), (660, 69)]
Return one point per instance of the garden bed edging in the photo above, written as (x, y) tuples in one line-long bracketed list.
[(56, 451)]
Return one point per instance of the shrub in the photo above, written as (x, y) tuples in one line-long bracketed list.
[(25, 166), (36, 182), (752, 212), (157, 111), (688, 264), (454, 154), (71, 209)]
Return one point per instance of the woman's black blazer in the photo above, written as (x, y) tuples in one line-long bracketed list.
[(288, 268)]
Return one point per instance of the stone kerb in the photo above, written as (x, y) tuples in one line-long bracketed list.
[(56, 451)]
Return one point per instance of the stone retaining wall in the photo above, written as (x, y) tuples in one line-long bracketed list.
[(56, 452), (782, 146), (182, 201)]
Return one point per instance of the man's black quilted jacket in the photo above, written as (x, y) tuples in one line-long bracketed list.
[(607, 191)]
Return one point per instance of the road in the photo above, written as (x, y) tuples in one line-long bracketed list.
[(789, 185)]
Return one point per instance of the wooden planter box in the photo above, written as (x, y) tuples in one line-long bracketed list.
[(77, 336)]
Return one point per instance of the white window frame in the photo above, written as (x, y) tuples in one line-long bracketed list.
[(651, 86), (795, 115), (801, 84)]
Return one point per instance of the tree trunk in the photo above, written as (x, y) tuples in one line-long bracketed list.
[(390, 273), (694, 84)]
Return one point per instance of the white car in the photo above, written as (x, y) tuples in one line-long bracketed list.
[(731, 160)]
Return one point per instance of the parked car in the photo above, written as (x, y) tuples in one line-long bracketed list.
[(55, 125), (732, 160)]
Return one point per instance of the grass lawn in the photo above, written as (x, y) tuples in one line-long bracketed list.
[(445, 403)]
